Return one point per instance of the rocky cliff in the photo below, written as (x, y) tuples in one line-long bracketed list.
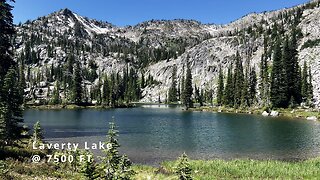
[(155, 47)]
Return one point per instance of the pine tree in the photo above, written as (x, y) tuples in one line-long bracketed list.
[(201, 97), (304, 82), (183, 169), (88, 167), (264, 75), (296, 78), (106, 91), (289, 68), (252, 86), (70, 63), (10, 95), (238, 81), (188, 91), (220, 88), (37, 136), (142, 83), (10, 109), (113, 165), (56, 94), (279, 89), (6, 32), (173, 88), (77, 85)]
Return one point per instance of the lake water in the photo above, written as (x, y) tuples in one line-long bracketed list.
[(151, 134)]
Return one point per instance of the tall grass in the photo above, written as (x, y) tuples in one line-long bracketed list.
[(238, 169)]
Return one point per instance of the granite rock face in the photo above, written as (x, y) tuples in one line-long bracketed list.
[(207, 47)]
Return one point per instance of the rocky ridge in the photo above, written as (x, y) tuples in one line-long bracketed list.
[(205, 47)]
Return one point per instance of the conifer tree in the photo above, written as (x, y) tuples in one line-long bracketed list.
[(6, 32), (10, 109), (279, 89), (106, 91), (37, 136), (70, 64), (113, 165), (183, 169), (56, 94), (197, 95), (88, 167), (304, 82), (296, 85), (289, 69), (252, 86), (142, 83), (173, 88), (220, 88), (264, 75), (188, 91), (238, 81), (10, 95), (77, 85)]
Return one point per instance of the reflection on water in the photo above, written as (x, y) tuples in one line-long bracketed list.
[(150, 134)]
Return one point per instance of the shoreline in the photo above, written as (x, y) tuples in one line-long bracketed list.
[(308, 114), (74, 107), (289, 113)]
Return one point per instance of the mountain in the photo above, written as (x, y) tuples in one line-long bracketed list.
[(153, 48)]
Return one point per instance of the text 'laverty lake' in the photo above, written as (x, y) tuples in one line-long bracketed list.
[(71, 146)]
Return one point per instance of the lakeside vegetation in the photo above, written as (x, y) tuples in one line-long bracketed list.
[(18, 166), (284, 112), (200, 169)]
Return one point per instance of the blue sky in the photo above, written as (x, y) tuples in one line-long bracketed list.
[(131, 12)]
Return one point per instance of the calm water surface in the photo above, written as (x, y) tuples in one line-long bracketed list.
[(151, 134)]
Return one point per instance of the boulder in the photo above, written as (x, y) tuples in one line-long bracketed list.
[(265, 113), (274, 113), (312, 118), (42, 84)]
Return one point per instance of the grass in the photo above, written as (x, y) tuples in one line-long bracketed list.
[(22, 168), (237, 169)]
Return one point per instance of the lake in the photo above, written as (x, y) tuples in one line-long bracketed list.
[(150, 134)]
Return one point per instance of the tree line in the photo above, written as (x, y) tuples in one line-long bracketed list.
[(11, 100)]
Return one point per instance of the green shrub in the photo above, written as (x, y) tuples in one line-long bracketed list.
[(3, 168), (183, 169), (311, 43)]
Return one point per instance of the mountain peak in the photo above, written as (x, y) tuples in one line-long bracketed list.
[(66, 11)]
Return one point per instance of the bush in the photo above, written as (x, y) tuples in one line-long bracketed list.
[(311, 43), (3, 168), (183, 169)]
